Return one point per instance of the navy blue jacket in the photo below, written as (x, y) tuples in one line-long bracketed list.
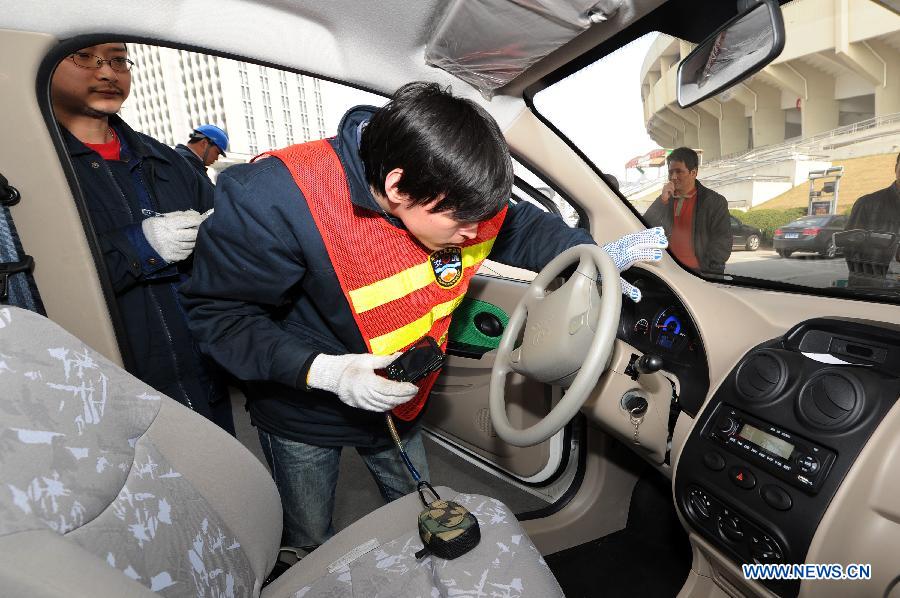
[(194, 160), (264, 299), (150, 177)]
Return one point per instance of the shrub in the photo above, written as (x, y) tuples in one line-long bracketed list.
[(767, 220)]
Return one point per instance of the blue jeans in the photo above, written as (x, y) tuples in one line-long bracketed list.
[(306, 476)]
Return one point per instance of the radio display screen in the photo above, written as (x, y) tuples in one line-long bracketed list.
[(766, 441)]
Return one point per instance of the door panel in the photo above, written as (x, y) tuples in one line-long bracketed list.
[(458, 407)]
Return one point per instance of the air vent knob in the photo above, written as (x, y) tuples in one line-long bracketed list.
[(726, 425)]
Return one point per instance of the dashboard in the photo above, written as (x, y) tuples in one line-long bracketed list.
[(661, 325), (770, 450)]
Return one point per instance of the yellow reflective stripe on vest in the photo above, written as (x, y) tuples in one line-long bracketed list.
[(405, 335), (476, 253), (392, 288), (410, 280)]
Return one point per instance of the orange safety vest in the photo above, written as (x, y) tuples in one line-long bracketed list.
[(397, 290)]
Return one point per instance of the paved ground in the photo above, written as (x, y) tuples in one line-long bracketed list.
[(801, 268)]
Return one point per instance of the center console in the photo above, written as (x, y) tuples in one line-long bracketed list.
[(773, 444)]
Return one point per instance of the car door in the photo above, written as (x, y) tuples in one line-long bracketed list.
[(458, 410), (738, 233)]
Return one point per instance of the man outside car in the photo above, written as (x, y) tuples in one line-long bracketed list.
[(694, 217), (145, 205)]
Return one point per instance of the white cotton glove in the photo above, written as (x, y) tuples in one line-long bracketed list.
[(644, 246), (353, 379), (173, 234)]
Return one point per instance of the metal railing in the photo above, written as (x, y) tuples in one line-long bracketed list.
[(794, 145), (734, 167), (640, 186), (762, 178)]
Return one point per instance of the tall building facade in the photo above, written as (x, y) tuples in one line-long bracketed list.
[(261, 108)]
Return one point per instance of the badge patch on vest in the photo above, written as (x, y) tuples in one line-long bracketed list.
[(447, 266)]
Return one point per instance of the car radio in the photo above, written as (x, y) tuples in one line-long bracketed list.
[(795, 460)]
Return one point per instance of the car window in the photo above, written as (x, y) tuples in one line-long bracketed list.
[(806, 137), (820, 221), (531, 188), (212, 113), (260, 107)]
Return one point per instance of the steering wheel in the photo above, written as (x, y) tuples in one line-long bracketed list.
[(568, 339)]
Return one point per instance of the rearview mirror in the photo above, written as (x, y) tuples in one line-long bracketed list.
[(742, 46)]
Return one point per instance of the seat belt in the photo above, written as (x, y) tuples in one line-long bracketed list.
[(17, 286)]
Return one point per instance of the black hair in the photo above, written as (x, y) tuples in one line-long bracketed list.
[(447, 146), (686, 155)]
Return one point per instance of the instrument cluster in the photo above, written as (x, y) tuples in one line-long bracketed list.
[(661, 325)]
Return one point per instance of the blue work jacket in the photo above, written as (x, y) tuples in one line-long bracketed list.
[(264, 299), (149, 178)]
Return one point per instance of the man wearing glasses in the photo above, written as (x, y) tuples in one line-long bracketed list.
[(145, 205)]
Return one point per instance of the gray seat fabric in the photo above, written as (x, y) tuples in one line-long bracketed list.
[(375, 557), (109, 489)]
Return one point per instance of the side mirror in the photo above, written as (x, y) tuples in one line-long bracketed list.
[(742, 46)]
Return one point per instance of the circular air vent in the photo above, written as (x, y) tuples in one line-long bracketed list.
[(831, 400), (762, 376)]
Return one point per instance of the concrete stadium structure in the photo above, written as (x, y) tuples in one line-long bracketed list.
[(840, 65), (838, 76)]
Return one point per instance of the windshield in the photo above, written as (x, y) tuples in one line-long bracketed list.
[(807, 138), (819, 221)]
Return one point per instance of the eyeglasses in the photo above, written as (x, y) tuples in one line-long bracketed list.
[(89, 61)]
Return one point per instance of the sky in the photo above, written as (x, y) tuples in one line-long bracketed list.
[(600, 108)]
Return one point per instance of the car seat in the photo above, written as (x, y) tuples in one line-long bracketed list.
[(109, 489)]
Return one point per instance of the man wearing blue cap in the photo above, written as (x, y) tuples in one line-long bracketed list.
[(205, 144)]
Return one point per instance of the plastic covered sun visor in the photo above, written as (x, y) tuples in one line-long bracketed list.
[(488, 43)]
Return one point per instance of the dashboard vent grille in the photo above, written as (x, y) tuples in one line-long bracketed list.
[(831, 400), (762, 376)]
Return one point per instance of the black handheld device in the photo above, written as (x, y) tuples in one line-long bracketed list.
[(422, 358)]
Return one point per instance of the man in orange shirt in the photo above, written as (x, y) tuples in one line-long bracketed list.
[(694, 217)]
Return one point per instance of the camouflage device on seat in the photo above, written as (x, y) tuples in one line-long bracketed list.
[(447, 529)]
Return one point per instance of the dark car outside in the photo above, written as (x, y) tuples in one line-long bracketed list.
[(744, 236), (814, 234)]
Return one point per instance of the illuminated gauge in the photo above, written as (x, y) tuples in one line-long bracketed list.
[(642, 326), (669, 331)]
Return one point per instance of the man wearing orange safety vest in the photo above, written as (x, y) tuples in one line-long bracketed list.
[(326, 258)]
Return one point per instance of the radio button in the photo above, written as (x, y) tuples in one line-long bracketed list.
[(776, 497), (808, 464), (742, 477), (714, 461)]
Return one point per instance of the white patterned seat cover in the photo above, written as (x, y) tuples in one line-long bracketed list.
[(109, 489)]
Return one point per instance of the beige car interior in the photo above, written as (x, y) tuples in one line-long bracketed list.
[(380, 48)]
